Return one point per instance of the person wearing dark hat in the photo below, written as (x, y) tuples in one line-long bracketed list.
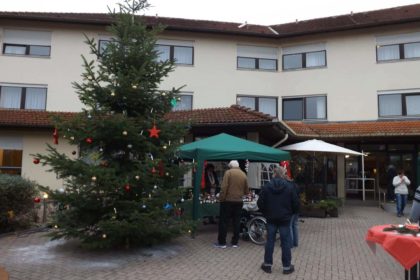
[(234, 187), (278, 201)]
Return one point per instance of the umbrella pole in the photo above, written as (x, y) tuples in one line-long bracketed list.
[(363, 176), (196, 190)]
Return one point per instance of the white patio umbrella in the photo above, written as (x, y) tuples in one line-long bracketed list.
[(315, 145)]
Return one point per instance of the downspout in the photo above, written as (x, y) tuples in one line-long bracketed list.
[(281, 141)]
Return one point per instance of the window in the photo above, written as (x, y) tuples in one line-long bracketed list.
[(15, 97), (10, 155), (266, 105), (184, 103), (30, 43), (102, 45), (305, 56), (398, 47), (305, 108), (257, 58), (399, 104), (181, 52)]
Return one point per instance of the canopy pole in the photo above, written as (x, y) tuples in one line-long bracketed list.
[(196, 190), (363, 176)]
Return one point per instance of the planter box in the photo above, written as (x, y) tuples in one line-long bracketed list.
[(309, 211)]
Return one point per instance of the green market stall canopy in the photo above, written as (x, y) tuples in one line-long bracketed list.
[(227, 147), (223, 147)]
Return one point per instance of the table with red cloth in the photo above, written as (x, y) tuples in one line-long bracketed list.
[(405, 248)]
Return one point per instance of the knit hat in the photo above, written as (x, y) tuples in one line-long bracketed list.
[(233, 164)]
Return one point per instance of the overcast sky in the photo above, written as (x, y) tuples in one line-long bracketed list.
[(254, 12)]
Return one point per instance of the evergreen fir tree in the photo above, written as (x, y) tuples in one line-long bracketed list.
[(122, 189)]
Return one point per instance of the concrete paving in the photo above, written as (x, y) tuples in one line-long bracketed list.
[(330, 248)]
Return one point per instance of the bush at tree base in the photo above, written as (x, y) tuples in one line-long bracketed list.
[(16, 202)]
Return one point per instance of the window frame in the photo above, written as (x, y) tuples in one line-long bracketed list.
[(172, 52), (403, 105), (256, 63), (401, 52), (192, 102), (304, 113), (303, 55), (256, 100), (5, 168), (27, 49), (23, 97)]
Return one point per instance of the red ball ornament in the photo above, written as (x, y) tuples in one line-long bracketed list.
[(89, 140), (36, 160), (37, 199), (127, 188)]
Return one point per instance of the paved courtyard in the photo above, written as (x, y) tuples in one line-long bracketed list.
[(331, 248)]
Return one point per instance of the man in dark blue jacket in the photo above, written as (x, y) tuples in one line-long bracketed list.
[(278, 201)]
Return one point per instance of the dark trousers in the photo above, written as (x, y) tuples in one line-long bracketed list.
[(229, 210), (286, 244)]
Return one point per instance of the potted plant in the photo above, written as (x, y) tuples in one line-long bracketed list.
[(330, 206)]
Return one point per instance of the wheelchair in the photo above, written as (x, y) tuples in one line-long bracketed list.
[(253, 224)]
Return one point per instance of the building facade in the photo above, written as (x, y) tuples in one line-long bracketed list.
[(329, 78)]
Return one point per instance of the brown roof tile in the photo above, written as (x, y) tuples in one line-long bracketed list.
[(177, 24), (228, 115), (402, 14), (29, 118), (355, 129)]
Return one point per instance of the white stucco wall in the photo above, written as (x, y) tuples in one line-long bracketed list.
[(36, 142), (351, 79)]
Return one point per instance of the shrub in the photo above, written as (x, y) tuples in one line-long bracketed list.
[(16, 202)]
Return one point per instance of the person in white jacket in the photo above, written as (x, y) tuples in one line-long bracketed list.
[(401, 184)]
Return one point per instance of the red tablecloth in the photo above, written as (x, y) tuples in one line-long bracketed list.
[(405, 248)]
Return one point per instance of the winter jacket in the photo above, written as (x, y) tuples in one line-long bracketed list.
[(401, 184), (234, 185), (415, 208), (278, 201)]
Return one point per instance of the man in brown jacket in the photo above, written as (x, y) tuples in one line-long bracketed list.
[(234, 187)]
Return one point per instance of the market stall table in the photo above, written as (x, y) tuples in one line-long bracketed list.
[(405, 248)]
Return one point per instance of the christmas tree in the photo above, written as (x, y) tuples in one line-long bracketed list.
[(122, 189)]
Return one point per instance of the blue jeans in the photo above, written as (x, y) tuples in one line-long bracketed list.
[(294, 233), (401, 202), (286, 253)]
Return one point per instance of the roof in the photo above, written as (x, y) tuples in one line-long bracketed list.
[(29, 118), (383, 17), (235, 115), (228, 115), (354, 129), (175, 24)]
